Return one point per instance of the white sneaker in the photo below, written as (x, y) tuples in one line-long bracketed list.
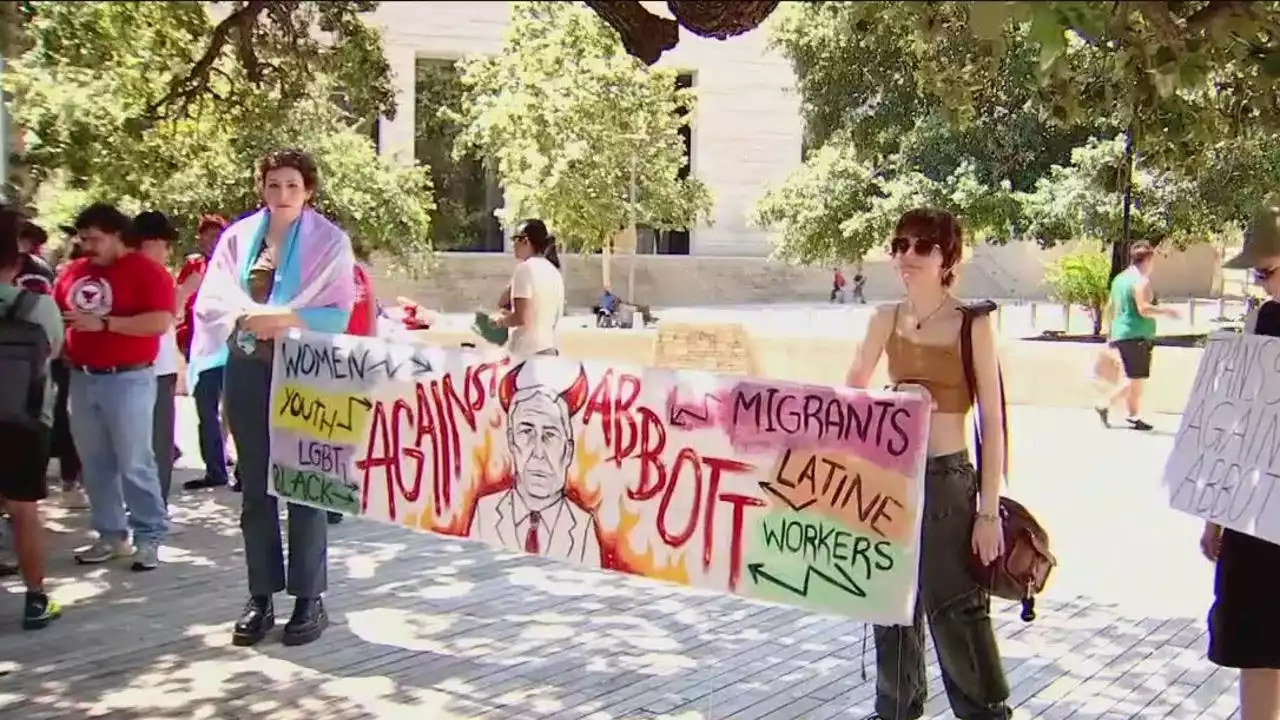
[(103, 550), (73, 498)]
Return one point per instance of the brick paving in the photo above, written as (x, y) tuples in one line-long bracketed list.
[(427, 627)]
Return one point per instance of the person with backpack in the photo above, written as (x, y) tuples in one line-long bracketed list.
[(31, 332), (925, 339)]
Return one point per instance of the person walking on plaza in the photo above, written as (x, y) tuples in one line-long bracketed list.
[(116, 303), (283, 267), (154, 236), (837, 285), (207, 390), (1133, 314), (32, 330), (536, 292), (1244, 629), (923, 342)]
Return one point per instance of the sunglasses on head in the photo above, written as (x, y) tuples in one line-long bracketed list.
[(920, 246)]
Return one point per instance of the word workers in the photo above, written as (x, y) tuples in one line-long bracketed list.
[(854, 557), (685, 484)]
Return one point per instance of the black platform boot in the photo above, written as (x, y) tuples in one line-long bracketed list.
[(256, 621), (308, 622)]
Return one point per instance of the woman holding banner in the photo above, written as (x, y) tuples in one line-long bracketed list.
[(1244, 623), (922, 338), (282, 267)]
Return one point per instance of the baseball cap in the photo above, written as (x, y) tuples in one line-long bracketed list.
[(152, 225), (1261, 237)]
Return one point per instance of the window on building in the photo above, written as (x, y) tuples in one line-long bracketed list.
[(671, 242), (466, 190)]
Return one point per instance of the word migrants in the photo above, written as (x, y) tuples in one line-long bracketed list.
[(797, 494), (1225, 461)]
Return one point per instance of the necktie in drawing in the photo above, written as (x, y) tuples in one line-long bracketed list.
[(531, 544)]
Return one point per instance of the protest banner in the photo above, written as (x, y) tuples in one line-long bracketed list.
[(806, 495), (1224, 464)]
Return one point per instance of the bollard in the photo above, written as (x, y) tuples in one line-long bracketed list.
[(1222, 307), (1033, 315), (1066, 319), (1191, 312), (999, 319)]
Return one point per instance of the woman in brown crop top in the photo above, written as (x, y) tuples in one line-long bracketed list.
[(921, 337)]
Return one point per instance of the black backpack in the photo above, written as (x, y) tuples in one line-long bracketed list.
[(24, 360)]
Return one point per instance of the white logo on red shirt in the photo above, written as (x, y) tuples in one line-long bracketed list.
[(90, 295)]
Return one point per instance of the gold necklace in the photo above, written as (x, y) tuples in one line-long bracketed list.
[(920, 323)]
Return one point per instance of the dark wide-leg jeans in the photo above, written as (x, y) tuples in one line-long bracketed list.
[(957, 609), (163, 418), (247, 384)]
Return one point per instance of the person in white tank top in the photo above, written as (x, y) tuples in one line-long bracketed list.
[(537, 292)]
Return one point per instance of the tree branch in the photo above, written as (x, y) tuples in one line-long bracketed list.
[(721, 20), (187, 88), (644, 35)]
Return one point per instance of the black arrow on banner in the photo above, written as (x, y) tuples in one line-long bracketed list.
[(846, 583)]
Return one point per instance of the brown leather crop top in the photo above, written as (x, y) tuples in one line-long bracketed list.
[(937, 367)]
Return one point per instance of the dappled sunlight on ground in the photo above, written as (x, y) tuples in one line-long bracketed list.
[(440, 628)]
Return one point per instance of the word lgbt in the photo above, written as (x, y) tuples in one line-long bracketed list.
[(797, 494), (1226, 456)]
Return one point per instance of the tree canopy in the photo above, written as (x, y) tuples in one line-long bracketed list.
[(1029, 102), (153, 104), (564, 114)]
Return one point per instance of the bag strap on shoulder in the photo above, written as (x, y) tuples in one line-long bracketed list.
[(21, 306), (968, 314)]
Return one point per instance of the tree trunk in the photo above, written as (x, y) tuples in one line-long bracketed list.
[(1120, 248), (1096, 314)]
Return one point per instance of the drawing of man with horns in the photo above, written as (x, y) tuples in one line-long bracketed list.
[(535, 515)]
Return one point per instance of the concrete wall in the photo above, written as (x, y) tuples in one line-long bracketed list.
[(746, 130), (467, 281), (1036, 373)]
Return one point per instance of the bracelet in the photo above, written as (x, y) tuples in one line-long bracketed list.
[(989, 517)]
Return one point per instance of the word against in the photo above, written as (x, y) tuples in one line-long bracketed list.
[(1225, 462), (805, 495)]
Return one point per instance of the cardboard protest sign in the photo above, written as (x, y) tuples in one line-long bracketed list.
[(798, 494), (1226, 455)]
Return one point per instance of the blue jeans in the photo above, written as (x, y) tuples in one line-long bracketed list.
[(208, 396), (111, 424)]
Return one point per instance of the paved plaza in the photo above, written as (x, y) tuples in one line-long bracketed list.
[(426, 628)]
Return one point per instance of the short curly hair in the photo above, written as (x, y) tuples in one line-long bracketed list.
[(296, 159)]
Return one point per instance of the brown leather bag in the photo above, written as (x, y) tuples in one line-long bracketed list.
[(1024, 568)]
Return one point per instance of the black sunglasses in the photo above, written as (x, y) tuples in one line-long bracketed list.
[(920, 246)]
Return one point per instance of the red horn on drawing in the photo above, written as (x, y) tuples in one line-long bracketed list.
[(575, 396), (507, 388)]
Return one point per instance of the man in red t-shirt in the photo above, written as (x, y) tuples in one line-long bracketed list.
[(116, 305)]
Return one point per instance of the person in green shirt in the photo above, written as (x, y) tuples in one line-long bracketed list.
[(1133, 312)]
